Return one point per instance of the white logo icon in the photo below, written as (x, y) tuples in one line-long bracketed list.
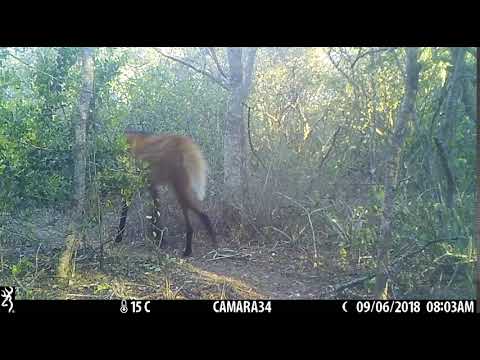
[(7, 298)]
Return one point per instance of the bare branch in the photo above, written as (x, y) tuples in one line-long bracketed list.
[(396, 266), (250, 140), (324, 158), (271, 117), (206, 73), (40, 71), (339, 69), (217, 63), (30, 66), (309, 213), (448, 172), (373, 51), (332, 145)]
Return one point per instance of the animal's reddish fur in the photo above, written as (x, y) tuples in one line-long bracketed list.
[(178, 162)]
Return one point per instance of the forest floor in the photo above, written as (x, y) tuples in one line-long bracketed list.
[(244, 267), (239, 269)]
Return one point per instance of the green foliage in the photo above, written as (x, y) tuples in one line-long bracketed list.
[(21, 268), (362, 94), (35, 137), (300, 98)]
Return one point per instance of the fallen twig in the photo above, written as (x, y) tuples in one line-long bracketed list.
[(219, 256), (36, 261), (395, 267)]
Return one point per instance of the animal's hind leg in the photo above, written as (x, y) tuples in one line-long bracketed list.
[(123, 220), (188, 244), (157, 228), (208, 225), (188, 201)]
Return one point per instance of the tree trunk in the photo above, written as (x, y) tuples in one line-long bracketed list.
[(66, 264), (448, 127), (241, 62), (241, 65), (80, 131), (234, 140), (478, 213), (468, 99), (478, 192), (406, 114)]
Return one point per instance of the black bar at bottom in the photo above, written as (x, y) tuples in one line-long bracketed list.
[(263, 307)]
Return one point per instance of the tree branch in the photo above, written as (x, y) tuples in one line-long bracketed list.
[(448, 172), (250, 140), (31, 66), (215, 59), (373, 51), (38, 70), (206, 73), (395, 268), (332, 145), (345, 75)]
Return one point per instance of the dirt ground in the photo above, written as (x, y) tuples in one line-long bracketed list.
[(239, 269), (246, 266)]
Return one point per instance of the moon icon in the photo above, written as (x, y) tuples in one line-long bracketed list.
[(343, 306)]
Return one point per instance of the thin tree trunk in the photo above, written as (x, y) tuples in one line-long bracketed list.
[(448, 127), (239, 79), (79, 157), (241, 65), (234, 140), (448, 171), (80, 130), (468, 99), (478, 191), (446, 138), (478, 212), (406, 114)]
